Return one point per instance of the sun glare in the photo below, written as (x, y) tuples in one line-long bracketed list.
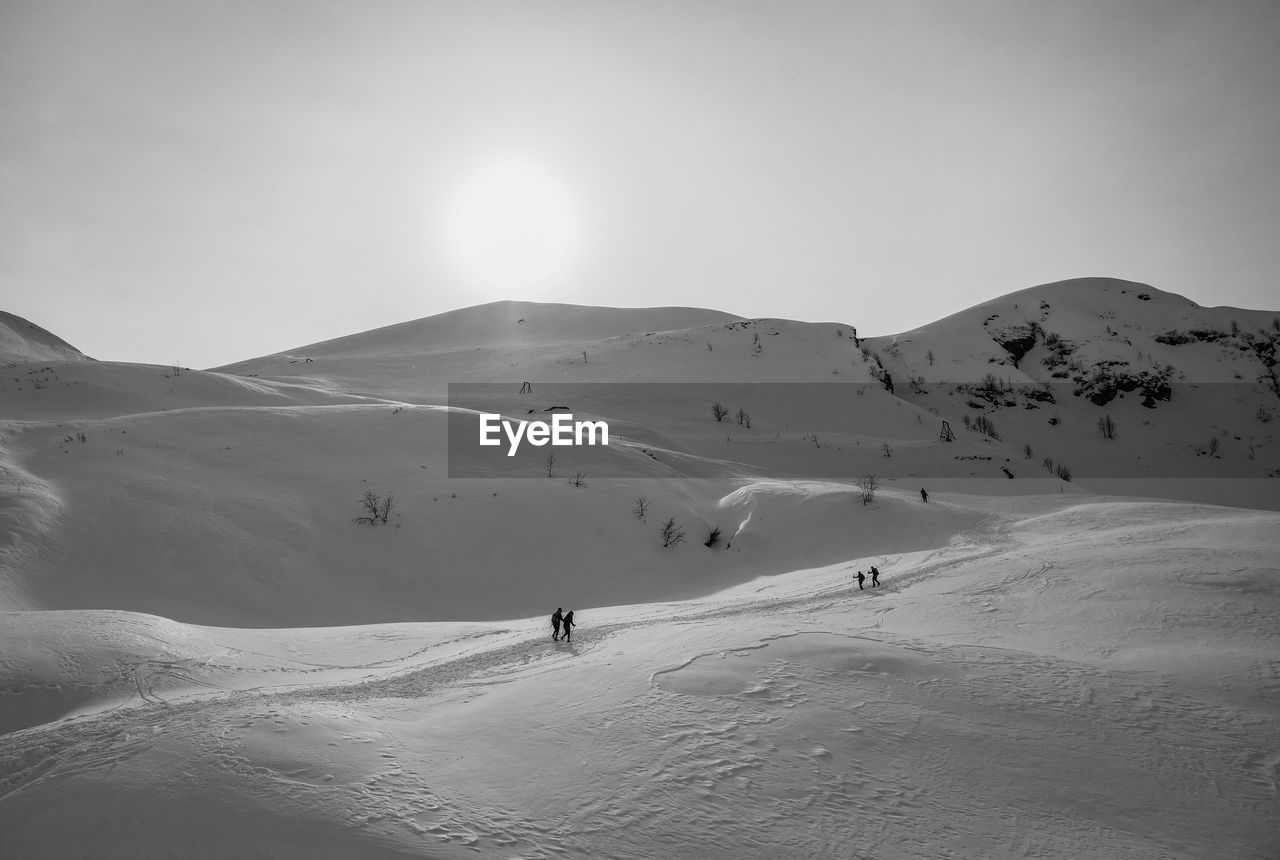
[(512, 225)]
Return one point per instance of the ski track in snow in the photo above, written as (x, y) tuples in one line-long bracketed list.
[(893, 780)]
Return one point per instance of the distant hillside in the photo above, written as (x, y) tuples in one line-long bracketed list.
[(22, 342), (218, 497), (415, 360), (1076, 330), (1100, 379), (509, 324)]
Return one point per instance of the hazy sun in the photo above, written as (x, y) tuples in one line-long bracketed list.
[(512, 225)]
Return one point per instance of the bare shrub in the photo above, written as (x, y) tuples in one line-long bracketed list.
[(867, 486), (671, 533), (377, 510)]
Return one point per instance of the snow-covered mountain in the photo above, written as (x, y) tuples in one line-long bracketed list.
[(22, 342), (207, 654), (1186, 392)]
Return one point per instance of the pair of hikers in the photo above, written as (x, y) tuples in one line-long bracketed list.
[(562, 619), (875, 577)]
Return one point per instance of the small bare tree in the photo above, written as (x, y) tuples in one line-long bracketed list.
[(551, 462), (1107, 427), (719, 410), (378, 510), (642, 505), (744, 417), (713, 538), (867, 486), (886, 450), (671, 533), (579, 479)]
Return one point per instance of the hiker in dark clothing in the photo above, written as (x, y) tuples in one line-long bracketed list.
[(924, 495), (555, 623), (861, 579), (875, 576), (568, 622)]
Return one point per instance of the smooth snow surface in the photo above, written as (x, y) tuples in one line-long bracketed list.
[(202, 655), (1013, 694)]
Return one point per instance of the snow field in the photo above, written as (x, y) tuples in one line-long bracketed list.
[(202, 655), (795, 716)]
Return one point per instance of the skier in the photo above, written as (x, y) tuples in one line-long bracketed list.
[(555, 624), (924, 495), (861, 579), (568, 622), (875, 576)]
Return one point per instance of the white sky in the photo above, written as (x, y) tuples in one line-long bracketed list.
[(202, 182)]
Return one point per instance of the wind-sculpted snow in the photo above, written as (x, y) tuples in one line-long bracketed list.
[(1003, 696), (839, 657)]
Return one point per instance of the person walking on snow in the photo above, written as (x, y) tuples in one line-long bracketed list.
[(567, 622), (861, 579), (555, 623), (924, 495), (875, 576)]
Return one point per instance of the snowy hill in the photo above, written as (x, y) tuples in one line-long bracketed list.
[(229, 497), (1070, 330), (1188, 393), (22, 342), (493, 342), (207, 654)]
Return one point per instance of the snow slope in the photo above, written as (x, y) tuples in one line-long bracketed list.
[(23, 342), (1014, 694), (1097, 346), (204, 655)]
